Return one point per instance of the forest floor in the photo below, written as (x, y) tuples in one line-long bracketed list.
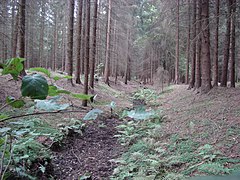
[(212, 118)]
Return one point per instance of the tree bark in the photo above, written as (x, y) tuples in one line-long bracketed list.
[(83, 35), (127, 58), (87, 45), (215, 55), (107, 60), (22, 13), (92, 64), (205, 52), (116, 52), (177, 48), (4, 29), (41, 41), (233, 43), (15, 35), (188, 45), (226, 48), (70, 38), (198, 49), (193, 63), (55, 42), (13, 20), (79, 39)]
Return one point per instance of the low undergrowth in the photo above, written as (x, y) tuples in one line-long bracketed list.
[(25, 147), (151, 156), (150, 96)]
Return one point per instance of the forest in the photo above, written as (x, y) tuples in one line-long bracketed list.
[(120, 89)]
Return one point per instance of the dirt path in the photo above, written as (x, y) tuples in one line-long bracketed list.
[(90, 154)]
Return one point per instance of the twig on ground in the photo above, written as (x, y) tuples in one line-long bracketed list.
[(10, 158), (40, 113), (76, 156), (5, 105), (3, 155)]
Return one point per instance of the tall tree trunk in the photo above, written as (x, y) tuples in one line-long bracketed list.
[(151, 66), (41, 41), (226, 48), (13, 24), (56, 48), (188, 45), (215, 56), (177, 48), (55, 42), (107, 60), (83, 55), (92, 65), (22, 12), (3, 30), (70, 38), (87, 42), (116, 52), (30, 41), (64, 45), (79, 39), (15, 35), (205, 52), (193, 63), (232, 48), (127, 58), (198, 49), (129, 69), (63, 54), (99, 41), (114, 48), (48, 58)]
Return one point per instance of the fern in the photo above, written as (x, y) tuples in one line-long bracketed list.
[(214, 169), (27, 150), (174, 176), (177, 158), (42, 70)]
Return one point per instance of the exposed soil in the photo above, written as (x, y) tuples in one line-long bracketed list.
[(90, 154), (8, 87)]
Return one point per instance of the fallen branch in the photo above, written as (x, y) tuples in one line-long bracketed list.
[(3, 155), (40, 113), (9, 161), (76, 156)]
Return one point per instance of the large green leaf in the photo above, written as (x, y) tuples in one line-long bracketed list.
[(67, 77), (14, 67), (56, 78), (112, 105), (16, 103), (40, 69), (50, 105), (54, 91), (140, 113), (34, 86), (93, 114), (234, 176), (3, 116), (83, 96), (4, 130)]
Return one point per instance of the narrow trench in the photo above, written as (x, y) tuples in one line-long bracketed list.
[(90, 154)]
